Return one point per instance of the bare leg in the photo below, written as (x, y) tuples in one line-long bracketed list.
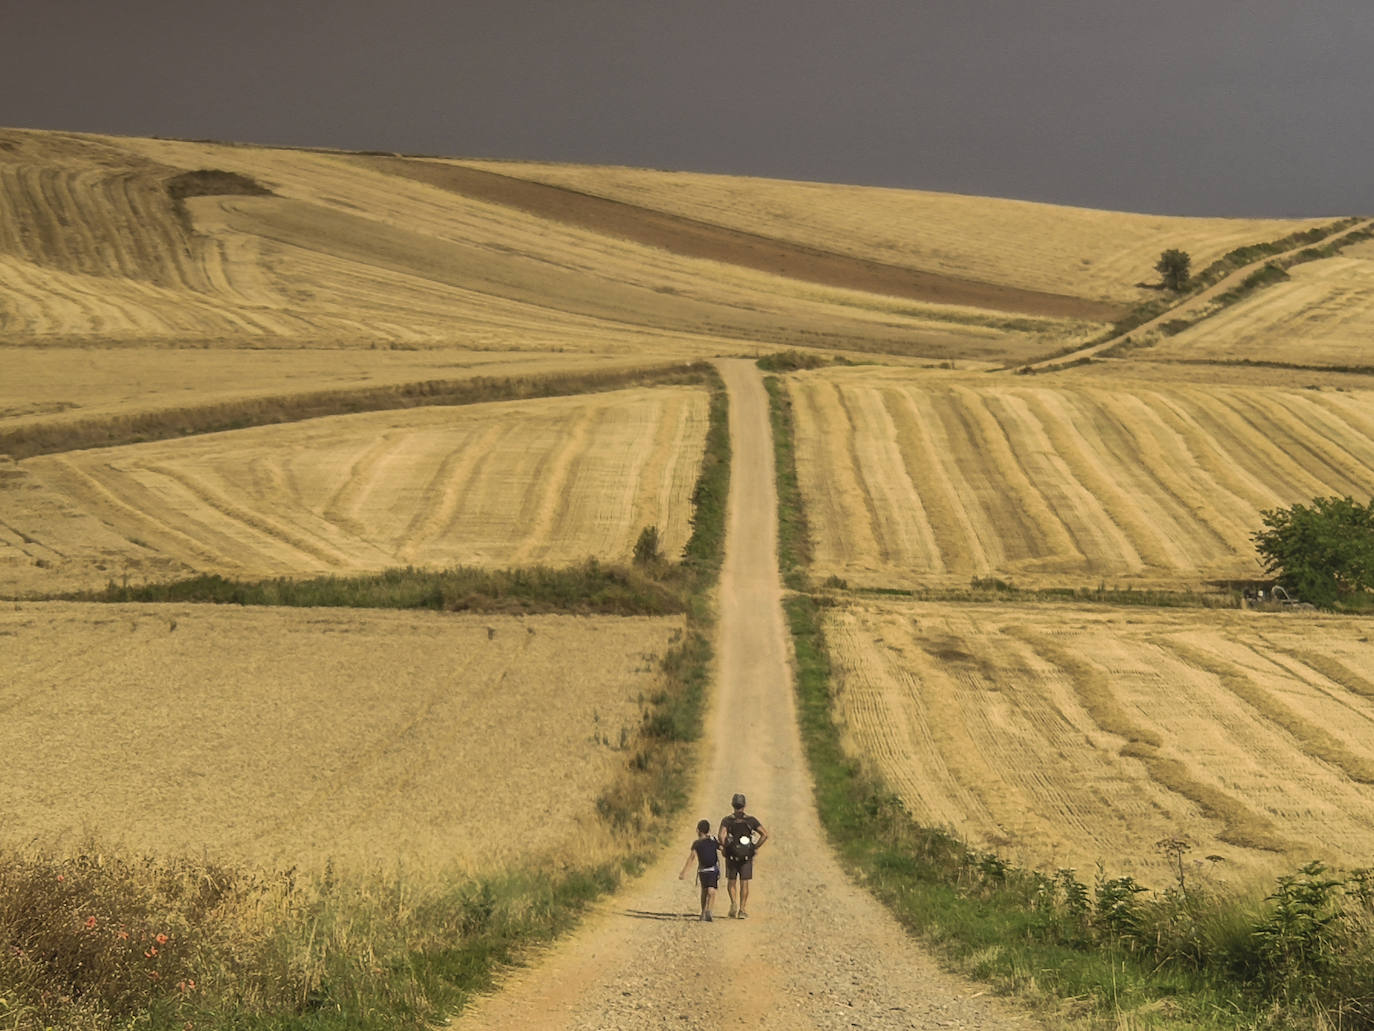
[(730, 886), (743, 894)]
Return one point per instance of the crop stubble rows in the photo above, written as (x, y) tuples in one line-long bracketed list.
[(1063, 737), (345, 251), (1321, 315), (551, 482), (935, 480)]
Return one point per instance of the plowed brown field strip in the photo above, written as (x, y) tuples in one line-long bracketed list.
[(1099, 255), (931, 479), (282, 737), (1065, 737), (553, 482), (700, 239)]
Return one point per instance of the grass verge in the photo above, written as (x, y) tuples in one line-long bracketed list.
[(98, 941), (1107, 955)]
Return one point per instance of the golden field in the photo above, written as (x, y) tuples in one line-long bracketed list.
[(545, 482), (1322, 315), (1079, 252), (279, 737), (137, 282), (347, 251), (926, 479), (1061, 736)]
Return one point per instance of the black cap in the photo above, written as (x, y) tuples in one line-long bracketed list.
[(737, 801)]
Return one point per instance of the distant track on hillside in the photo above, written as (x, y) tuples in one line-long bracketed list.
[(696, 239), (1194, 305)]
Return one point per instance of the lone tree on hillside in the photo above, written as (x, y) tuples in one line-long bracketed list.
[(1323, 553), (1172, 267)]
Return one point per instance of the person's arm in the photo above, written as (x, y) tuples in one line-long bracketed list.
[(761, 836), (691, 858)]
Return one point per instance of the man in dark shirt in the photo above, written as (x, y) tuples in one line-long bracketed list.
[(741, 836)]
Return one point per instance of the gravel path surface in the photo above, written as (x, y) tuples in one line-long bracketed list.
[(816, 951)]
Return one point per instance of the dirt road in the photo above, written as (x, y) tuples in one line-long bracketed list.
[(817, 952)]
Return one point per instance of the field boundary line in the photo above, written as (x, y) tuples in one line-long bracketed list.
[(26, 441)]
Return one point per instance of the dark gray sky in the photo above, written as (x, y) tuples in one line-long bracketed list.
[(1228, 107)]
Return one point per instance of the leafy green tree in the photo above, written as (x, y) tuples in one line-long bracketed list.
[(1323, 552), (1172, 267)]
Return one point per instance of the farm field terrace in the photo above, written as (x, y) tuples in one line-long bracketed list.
[(548, 481), (1067, 737), (920, 479), (277, 737)]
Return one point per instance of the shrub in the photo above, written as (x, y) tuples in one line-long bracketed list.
[(1323, 553), (1173, 269), (647, 549)]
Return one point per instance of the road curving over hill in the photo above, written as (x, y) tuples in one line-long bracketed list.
[(817, 951)]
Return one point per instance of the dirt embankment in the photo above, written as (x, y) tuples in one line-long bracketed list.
[(696, 239)]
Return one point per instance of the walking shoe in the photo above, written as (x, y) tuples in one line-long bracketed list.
[(707, 917), (742, 914), (732, 912)]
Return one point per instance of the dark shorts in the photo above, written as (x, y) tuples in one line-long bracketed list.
[(743, 870), (708, 878)]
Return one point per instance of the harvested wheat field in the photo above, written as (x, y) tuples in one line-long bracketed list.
[(291, 736), (1045, 248), (551, 481), (1064, 737), (186, 242), (930, 479), (1322, 315)]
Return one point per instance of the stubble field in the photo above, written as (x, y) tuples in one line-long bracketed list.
[(1076, 252), (1320, 316), (136, 282), (551, 481), (931, 480), (1061, 736), (281, 737)]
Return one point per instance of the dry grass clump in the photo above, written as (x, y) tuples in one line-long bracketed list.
[(102, 940)]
